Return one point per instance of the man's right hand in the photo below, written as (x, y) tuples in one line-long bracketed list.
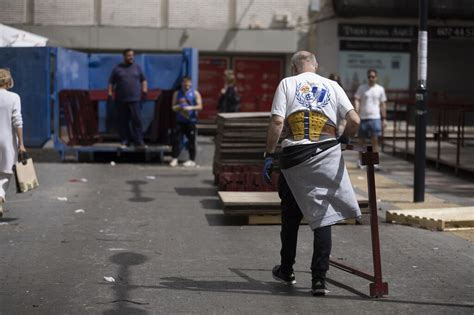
[(267, 170)]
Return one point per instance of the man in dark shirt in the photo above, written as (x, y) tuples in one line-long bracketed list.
[(130, 89)]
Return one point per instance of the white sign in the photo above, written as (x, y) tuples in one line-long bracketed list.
[(393, 69)]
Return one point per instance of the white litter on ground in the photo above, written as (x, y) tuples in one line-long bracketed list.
[(116, 249), (62, 198), (79, 211), (151, 177), (112, 163), (109, 279)]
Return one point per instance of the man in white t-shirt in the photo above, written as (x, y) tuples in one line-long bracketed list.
[(369, 101), (314, 182)]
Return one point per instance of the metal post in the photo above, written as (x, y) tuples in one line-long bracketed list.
[(378, 288), (421, 94), (458, 142), (438, 147), (395, 114)]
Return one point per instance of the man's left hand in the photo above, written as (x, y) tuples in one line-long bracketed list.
[(144, 95), (342, 139)]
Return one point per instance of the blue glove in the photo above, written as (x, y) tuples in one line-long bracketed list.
[(267, 170), (343, 139)]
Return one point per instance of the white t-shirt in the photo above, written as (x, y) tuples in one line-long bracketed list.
[(370, 99), (310, 91)]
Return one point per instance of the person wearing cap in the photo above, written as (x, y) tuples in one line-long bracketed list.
[(11, 131), (314, 182)]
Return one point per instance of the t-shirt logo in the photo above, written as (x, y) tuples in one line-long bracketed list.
[(312, 95)]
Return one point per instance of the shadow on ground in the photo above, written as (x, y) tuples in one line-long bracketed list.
[(225, 220), (122, 303), (138, 192), (253, 286)]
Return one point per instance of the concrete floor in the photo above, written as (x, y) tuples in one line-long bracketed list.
[(160, 233)]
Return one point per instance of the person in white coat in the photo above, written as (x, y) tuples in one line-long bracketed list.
[(11, 132)]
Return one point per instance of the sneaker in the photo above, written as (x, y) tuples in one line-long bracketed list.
[(174, 163), (189, 163), (1, 207), (281, 277), (359, 165), (377, 167), (318, 288)]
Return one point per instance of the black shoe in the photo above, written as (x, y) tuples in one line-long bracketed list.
[(318, 288), (283, 278)]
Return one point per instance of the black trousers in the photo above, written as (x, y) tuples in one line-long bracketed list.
[(188, 130), (291, 217), (130, 123)]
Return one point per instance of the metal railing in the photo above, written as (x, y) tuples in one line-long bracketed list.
[(447, 124)]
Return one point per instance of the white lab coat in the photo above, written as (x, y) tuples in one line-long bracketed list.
[(10, 119)]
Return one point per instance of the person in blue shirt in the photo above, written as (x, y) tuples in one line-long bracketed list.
[(130, 86), (186, 103)]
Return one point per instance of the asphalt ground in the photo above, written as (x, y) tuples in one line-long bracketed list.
[(161, 235)]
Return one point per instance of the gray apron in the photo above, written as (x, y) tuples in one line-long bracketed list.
[(322, 188)]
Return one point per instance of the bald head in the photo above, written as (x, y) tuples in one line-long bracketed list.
[(303, 61)]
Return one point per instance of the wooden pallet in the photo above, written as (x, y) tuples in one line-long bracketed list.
[(443, 219), (275, 219), (259, 207), (254, 199), (240, 139)]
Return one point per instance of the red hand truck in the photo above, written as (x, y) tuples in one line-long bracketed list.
[(377, 287)]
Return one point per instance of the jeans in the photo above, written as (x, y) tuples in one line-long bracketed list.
[(369, 128), (130, 123), (189, 130), (291, 217)]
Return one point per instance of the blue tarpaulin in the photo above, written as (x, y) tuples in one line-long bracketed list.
[(163, 71), (72, 70), (30, 68)]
